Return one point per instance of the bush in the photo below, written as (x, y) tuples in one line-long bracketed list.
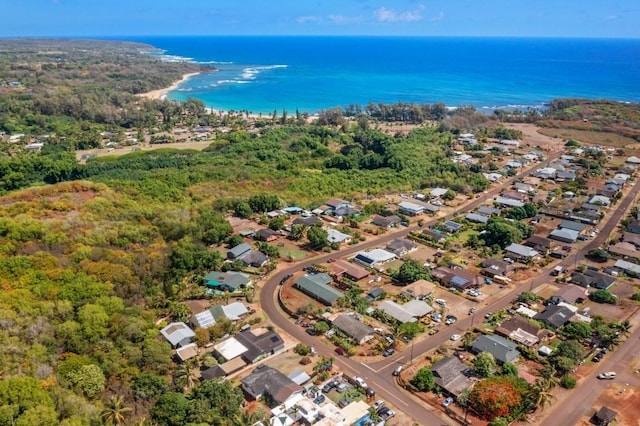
[(636, 297), (568, 381), (302, 349), (603, 296), (305, 360)]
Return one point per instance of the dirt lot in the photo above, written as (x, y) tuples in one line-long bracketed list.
[(534, 138), (103, 152), (621, 398)]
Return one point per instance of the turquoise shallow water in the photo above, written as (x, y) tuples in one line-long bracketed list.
[(262, 74)]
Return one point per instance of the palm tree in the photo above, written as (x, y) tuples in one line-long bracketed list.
[(114, 411), (186, 375), (540, 394), (247, 418)]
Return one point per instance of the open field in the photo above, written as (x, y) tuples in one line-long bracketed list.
[(592, 137), (103, 152)]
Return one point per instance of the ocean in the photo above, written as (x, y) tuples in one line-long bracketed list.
[(308, 74)]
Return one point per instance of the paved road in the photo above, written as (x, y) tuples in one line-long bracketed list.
[(378, 374)]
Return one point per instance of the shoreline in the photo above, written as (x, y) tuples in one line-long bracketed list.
[(161, 94)]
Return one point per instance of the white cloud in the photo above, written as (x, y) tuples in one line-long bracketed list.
[(343, 19), (309, 19), (389, 15), (438, 17)]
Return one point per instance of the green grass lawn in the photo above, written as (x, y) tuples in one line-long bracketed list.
[(293, 253)]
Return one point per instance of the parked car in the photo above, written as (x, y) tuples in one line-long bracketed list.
[(388, 352), (342, 387), (370, 393), (319, 399), (328, 386), (447, 402), (360, 381), (342, 351), (311, 332), (455, 337), (377, 405), (386, 413), (441, 302), (434, 331), (451, 320), (598, 357), (343, 402), (609, 375), (472, 310)]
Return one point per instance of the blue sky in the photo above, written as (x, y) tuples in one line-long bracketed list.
[(541, 18)]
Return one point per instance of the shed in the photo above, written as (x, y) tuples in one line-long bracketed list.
[(604, 416), (299, 377)]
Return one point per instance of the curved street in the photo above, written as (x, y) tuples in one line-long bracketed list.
[(378, 373)]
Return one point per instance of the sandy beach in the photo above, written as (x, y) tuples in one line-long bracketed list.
[(162, 93)]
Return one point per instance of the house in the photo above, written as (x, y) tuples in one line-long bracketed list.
[(230, 281), (591, 207), (634, 227), (386, 221), (336, 237), (477, 218), (411, 209), (374, 257), (238, 251), (555, 316), (448, 374), (353, 328), (508, 202), (502, 349), (267, 235), (513, 164), (515, 195), (628, 267), (520, 252), (259, 346), (433, 235), (590, 278), (178, 334), (341, 268), (317, 286), (203, 319), (488, 211), (400, 247), (374, 294), (520, 331), (307, 221), (270, 384), (186, 352), (562, 176), (570, 293), (627, 250), (431, 209), (631, 238), (492, 267), (541, 244), (565, 235), (604, 417), (337, 203), (233, 311), (574, 226), (253, 258), (633, 161), (397, 312), (607, 192), (451, 226), (438, 192), (510, 142), (458, 278), (601, 199), (224, 369), (523, 187), (545, 173)]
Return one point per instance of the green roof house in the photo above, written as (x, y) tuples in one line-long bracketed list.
[(229, 281), (317, 286)]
